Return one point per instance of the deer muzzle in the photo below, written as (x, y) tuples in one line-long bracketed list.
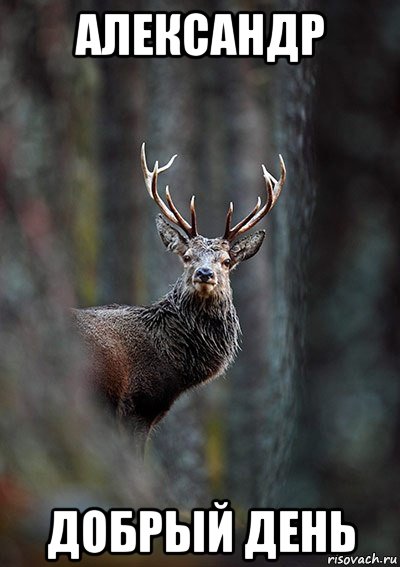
[(204, 281), (204, 275)]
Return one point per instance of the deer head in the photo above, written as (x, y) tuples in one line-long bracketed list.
[(209, 261)]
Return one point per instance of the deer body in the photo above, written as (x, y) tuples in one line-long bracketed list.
[(144, 357)]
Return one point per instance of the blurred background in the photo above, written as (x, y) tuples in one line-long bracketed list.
[(309, 415)]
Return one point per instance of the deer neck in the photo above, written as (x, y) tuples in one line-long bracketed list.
[(205, 331), (190, 303)]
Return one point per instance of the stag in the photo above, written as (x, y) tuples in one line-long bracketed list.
[(144, 357)]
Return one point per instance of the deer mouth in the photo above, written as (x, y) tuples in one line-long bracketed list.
[(204, 288)]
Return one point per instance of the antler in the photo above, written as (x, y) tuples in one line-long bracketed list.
[(170, 212), (257, 213)]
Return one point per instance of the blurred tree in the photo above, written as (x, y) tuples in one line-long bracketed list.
[(353, 397), (54, 446), (119, 121)]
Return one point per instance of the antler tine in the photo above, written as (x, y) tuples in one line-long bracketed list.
[(281, 181), (228, 221), (230, 232), (273, 194), (156, 197), (233, 231), (149, 174), (181, 221), (171, 213), (258, 213), (193, 216)]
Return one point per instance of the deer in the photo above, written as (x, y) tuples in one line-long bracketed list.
[(144, 357)]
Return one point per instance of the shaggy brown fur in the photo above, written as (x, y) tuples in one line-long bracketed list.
[(145, 357)]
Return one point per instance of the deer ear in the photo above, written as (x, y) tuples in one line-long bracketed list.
[(247, 246), (173, 240)]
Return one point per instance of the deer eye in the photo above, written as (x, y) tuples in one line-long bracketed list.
[(187, 258), (227, 262)]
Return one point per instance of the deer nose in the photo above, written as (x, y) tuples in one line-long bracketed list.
[(204, 274)]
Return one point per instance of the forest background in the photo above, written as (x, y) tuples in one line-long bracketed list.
[(309, 415)]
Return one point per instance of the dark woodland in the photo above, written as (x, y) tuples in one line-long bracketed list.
[(308, 415)]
